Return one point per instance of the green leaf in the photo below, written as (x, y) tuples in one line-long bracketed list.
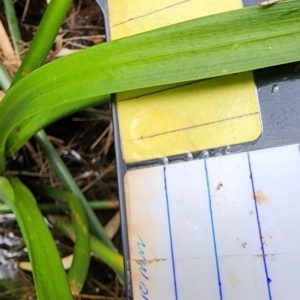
[(44, 37), (221, 44), (99, 249), (62, 172), (81, 261), (13, 24), (39, 48), (37, 53), (7, 194), (69, 184), (49, 276), (4, 79), (53, 207)]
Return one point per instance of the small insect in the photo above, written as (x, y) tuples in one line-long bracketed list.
[(269, 2)]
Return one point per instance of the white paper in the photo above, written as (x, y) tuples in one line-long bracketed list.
[(221, 228)]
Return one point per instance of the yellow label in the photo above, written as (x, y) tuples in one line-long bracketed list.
[(176, 119)]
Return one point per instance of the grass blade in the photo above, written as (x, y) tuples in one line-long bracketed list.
[(69, 184), (197, 49), (111, 258), (62, 172), (30, 126), (81, 261), (52, 207), (13, 24), (50, 278), (41, 44), (44, 37), (4, 79)]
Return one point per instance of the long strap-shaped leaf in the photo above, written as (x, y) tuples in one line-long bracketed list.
[(112, 259), (221, 44), (49, 276), (81, 261)]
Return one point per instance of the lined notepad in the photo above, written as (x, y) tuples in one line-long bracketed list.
[(219, 228)]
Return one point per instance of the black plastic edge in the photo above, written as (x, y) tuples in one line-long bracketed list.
[(121, 170)]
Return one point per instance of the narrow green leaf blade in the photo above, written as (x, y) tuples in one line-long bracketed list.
[(81, 261), (30, 126), (111, 258), (13, 24), (7, 194), (70, 185), (49, 276), (221, 44), (44, 37)]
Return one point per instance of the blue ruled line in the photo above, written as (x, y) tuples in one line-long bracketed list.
[(213, 232), (268, 280), (170, 234)]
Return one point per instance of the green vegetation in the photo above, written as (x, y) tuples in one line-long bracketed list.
[(193, 50)]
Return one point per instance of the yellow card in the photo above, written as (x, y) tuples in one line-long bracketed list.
[(176, 119)]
